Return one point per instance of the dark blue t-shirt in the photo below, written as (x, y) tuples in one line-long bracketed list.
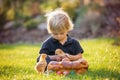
[(71, 46)]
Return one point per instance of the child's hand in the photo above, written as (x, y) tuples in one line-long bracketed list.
[(58, 58), (55, 57), (63, 56), (74, 57), (69, 56)]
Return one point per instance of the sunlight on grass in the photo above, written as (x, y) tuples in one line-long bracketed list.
[(17, 61)]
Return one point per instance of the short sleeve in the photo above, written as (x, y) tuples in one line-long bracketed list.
[(44, 48), (78, 48)]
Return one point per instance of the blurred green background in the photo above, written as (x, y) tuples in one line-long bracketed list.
[(24, 20)]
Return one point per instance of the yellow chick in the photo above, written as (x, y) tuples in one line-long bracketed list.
[(41, 65)]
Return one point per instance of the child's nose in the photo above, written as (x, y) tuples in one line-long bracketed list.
[(59, 36)]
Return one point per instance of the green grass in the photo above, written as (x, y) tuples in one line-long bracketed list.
[(17, 61)]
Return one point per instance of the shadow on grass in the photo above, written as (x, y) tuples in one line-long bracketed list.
[(104, 73), (93, 75)]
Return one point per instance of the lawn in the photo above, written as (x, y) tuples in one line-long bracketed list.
[(17, 61)]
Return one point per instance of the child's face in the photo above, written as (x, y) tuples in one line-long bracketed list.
[(59, 35)]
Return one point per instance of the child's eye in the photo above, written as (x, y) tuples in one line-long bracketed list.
[(61, 33), (55, 34), (58, 33)]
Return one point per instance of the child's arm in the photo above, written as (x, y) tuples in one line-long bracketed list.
[(74, 57), (55, 57)]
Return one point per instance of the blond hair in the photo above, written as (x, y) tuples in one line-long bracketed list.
[(58, 20)]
